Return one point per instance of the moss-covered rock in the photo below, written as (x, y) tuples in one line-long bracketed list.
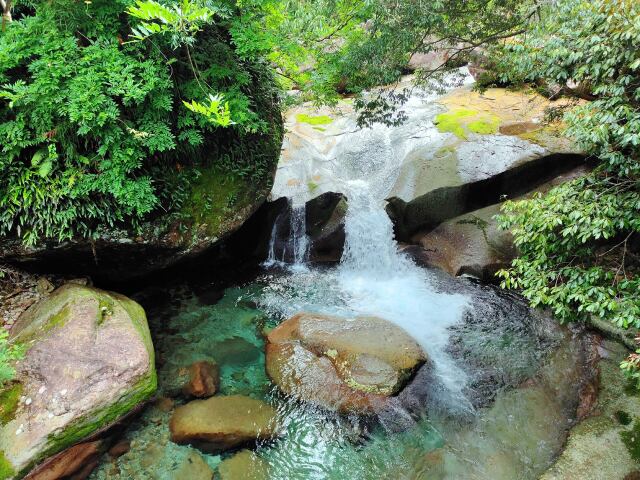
[(89, 362), (220, 185)]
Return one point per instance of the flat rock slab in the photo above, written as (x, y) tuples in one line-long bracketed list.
[(348, 365), (89, 361), (221, 423)]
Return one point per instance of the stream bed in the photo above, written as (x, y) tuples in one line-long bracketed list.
[(504, 417), (502, 384)]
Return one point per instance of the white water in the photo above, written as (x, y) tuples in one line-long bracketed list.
[(373, 277)]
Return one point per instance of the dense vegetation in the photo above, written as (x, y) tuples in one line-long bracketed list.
[(579, 244), (99, 121)]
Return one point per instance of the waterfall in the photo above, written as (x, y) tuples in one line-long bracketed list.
[(295, 250), (373, 277)]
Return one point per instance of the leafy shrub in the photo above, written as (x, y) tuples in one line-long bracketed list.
[(94, 119), (579, 243)]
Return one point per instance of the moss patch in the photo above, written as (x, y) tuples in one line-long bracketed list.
[(313, 119), (631, 440), (452, 122), (215, 196), (462, 121), (9, 399), (486, 125), (6, 469)]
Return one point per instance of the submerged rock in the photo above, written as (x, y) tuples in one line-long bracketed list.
[(348, 365), (89, 362), (604, 445), (204, 380), (76, 462), (244, 465), (221, 423)]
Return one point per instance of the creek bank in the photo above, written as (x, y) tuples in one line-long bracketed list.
[(89, 362)]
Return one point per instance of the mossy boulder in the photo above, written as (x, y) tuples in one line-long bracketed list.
[(607, 443), (221, 184), (89, 362), (348, 365)]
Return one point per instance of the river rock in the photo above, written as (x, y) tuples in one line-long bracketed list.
[(599, 446), (221, 423), (76, 462), (348, 365), (325, 215), (89, 362), (244, 465), (204, 380)]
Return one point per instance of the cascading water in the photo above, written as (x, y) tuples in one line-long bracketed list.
[(294, 251), (504, 384)]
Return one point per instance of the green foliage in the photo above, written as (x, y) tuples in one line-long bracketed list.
[(623, 417), (330, 47), (8, 355), (180, 21), (216, 112), (579, 243), (101, 112)]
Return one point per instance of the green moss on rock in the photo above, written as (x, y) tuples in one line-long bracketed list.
[(214, 198), (6, 469), (631, 440), (9, 399), (451, 122), (461, 121), (313, 119)]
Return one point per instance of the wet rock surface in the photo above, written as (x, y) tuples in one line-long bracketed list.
[(341, 364), (244, 465), (600, 446), (223, 422), (89, 361)]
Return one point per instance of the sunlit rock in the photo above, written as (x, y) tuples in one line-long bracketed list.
[(341, 364)]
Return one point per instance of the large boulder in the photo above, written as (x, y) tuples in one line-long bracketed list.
[(496, 146), (348, 365), (321, 220), (222, 423), (474, 244), (461, 152), (89, 362)]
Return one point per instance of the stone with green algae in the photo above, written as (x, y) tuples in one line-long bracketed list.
[(89, 361)]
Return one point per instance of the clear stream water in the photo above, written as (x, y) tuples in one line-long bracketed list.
[(502, 394)]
